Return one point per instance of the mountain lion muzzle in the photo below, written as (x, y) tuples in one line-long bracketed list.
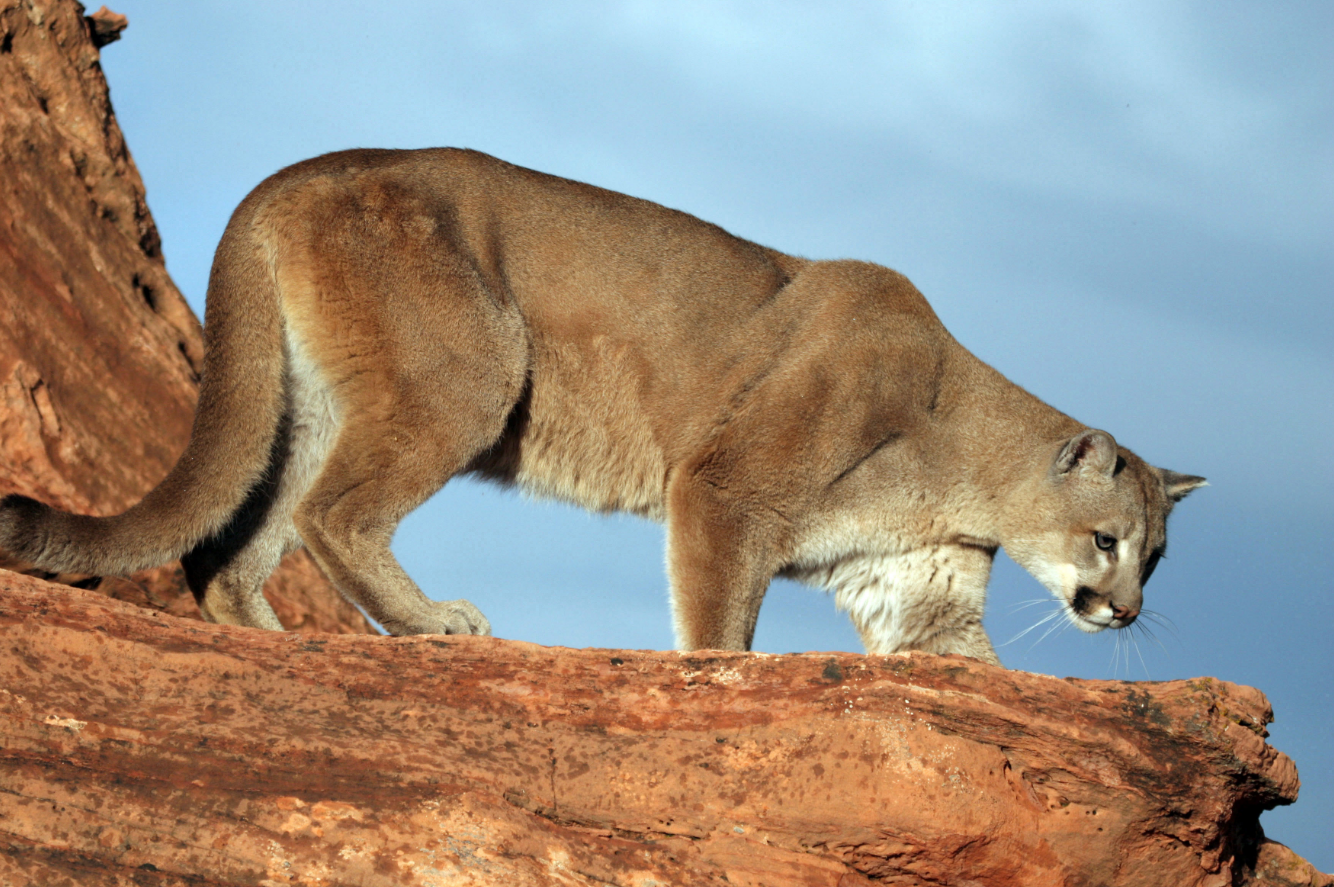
[(379, 322)]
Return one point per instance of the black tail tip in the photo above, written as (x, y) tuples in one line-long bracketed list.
[(21, 506), (17, 515)]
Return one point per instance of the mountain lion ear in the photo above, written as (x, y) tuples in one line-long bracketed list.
[(1176, 486), (1088, 451)]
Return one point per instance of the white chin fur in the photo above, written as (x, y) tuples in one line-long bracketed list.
[(1083, 623)]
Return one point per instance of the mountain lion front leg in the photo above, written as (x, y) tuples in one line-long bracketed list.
[(929, 599), (719, 558)]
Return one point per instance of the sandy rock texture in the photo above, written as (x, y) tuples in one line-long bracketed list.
[(144, 749), (99, 353)]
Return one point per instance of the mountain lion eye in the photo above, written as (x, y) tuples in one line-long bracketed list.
[(1104, 542)]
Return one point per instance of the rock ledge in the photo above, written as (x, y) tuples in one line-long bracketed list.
[(140, 748)]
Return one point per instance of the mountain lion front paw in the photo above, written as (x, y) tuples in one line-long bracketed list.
[(460, 617), (442, 617)]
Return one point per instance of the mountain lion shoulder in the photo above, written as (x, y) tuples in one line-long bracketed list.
[(379, 322)]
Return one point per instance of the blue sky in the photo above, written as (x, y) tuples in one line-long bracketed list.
[(1127, 208)]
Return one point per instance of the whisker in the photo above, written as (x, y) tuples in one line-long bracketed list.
[(1148, 633), (1159, 619), (1052, 615), (1023, 605), (1147, 676), (1055, 625)]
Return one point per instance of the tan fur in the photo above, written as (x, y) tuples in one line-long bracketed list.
[(381, 321)]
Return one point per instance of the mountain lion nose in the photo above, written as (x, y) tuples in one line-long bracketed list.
[(1125, 613)]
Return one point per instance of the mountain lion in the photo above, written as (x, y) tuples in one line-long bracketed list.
[(379, 322)]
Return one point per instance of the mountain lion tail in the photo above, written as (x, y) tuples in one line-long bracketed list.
[(241, 403)]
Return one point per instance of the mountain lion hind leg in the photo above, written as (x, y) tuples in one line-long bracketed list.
[(227, 572), (422, 366)]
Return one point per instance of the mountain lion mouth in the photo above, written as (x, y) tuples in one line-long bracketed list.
[(1081, 609), (1086, 623)]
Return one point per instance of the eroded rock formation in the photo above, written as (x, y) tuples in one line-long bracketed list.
[(135, 742), (99, 353)]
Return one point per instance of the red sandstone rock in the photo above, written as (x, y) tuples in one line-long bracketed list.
[(105, 26), (99, 353), (140, 748)]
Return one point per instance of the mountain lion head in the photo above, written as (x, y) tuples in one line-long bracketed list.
[(1096, 526)]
